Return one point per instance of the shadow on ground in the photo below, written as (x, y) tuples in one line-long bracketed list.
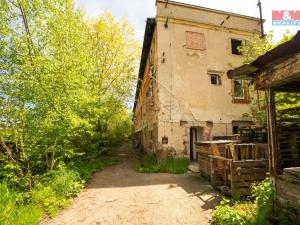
[(124, 175)]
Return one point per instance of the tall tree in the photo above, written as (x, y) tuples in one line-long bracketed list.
[(64, 84)]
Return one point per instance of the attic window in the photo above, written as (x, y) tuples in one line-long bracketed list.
[(195, 40), (215, 79), (235, 44)]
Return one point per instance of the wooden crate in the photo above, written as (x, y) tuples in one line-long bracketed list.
[(204, 149), (243, 165), (241, 174)]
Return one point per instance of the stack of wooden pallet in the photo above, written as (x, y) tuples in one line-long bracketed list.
[(288, 145), (253, 134), (288, 187)]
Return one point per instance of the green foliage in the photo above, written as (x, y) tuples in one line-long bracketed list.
[(86, 166), (228, 213), (149, 164), (247, 212), (264, 196), (64, 86), (173, 165), (51, 192), (14, 212), (65, 83)]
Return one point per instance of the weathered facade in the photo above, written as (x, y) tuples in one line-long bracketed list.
[(183, 93)]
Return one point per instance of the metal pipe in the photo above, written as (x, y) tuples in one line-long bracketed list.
[(261, 19)]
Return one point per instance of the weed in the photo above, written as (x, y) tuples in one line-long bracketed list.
[(149, 164)]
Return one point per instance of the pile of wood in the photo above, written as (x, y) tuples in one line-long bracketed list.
[(288, 145), (253, 134), (288, 188)]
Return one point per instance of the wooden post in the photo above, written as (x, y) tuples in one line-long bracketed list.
[(271, 117)]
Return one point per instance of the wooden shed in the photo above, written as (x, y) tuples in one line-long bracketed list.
[(275, 72)]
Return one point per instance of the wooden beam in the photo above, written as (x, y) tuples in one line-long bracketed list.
[(279, 73)]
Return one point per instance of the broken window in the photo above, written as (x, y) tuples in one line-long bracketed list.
[(238, 89), (235, 44), (195, 40), (215, 79)]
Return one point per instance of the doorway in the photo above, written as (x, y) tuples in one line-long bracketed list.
[(196, 134)]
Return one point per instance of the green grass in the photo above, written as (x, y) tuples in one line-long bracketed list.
[(14, 211), (149, 164), (51, 192)]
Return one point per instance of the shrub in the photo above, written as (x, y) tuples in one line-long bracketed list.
[(264, 195), (14, 211), (247, 212)]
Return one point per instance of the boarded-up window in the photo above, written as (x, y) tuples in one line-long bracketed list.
[(195, 40)]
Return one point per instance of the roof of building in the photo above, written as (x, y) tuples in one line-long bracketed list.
[(150, 26), (250, 71), (208, 9)]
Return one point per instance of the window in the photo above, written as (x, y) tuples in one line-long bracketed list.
[(195, 40), (215, 79), (238, 89), (235, 129), (234, 46)]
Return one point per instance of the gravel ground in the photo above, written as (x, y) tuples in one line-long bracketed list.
[(119, 195)]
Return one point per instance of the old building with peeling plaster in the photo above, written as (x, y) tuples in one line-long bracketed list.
[(183, 93)]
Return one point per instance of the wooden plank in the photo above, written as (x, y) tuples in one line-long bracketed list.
[(216, 152), (234, 153), (249, 170), (245, 184), (250, 163), (248, 177), (237, 192), (289, 69)]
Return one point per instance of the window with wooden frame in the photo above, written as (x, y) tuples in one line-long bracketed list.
[(195, 40), (240, 92)]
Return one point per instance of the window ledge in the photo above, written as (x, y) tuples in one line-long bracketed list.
[(241, 101)]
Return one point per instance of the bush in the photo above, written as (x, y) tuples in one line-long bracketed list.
[(228, 213), (247, 212), (264, 196), (149, 164), (14, 211), (51, 192)]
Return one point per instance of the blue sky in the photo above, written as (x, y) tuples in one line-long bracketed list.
[(136, 11)]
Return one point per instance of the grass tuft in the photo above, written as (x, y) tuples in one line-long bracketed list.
[(149, 164)]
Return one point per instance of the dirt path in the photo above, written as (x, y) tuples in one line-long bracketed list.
[(119, 195)]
